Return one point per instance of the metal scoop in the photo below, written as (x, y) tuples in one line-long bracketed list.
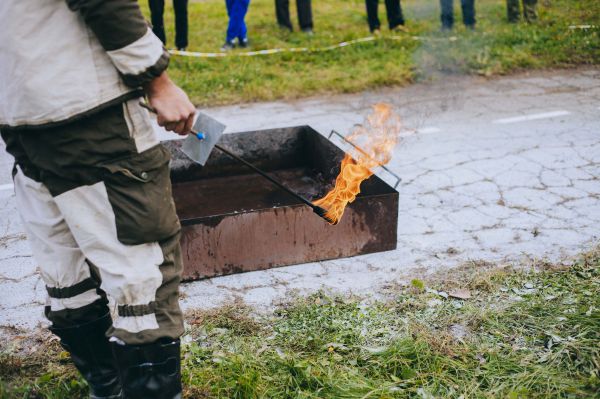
[(198, 146), (206, 132)]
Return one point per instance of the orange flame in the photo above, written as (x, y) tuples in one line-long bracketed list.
[(375, 141)]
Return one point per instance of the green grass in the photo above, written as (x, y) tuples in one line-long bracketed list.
[(532, 332), (495, 48)]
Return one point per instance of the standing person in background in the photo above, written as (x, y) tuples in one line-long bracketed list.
[(236, 29), (157, 9), (304, 8), (529, 10), (394, 15), (468, 13)]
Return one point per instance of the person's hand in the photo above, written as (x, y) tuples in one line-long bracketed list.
[(173, 108)]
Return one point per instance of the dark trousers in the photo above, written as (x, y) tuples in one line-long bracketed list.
[(282, 10), (157, 8), (468, 12), (394, 13), (236, 9), (529, 10)]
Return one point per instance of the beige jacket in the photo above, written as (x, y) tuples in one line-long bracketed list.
[(61, 59)]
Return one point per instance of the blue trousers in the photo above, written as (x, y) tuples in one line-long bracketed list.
[(237, 9), (468, 12)]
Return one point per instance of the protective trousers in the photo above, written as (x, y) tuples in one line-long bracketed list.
[(529, 10), (447, 15), (157, 9), (304, 9), (394, 14), (95, 199), (237, 9)]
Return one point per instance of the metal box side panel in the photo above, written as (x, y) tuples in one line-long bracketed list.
[(286, 236)]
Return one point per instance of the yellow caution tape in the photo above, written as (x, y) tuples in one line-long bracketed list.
[(584, 27), (303, 49)]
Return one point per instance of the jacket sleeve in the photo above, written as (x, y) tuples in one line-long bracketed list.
[(136, 52)]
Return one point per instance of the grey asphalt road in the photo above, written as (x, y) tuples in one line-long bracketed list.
[(499, 170)]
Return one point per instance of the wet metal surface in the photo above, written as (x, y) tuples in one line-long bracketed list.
[(235, 221)]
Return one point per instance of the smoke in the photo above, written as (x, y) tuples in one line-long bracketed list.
[(442, 57)]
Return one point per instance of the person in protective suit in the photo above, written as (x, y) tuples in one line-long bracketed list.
[(92, 184)]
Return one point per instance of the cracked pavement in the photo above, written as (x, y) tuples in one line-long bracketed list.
[(498, 170)]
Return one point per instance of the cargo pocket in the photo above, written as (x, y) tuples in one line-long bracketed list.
[(139, 191)]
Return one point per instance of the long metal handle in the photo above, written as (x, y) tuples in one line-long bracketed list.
[(248, 164), (265, 175)]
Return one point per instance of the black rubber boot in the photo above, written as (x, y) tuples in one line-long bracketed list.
[(150, 371), (91, 353)]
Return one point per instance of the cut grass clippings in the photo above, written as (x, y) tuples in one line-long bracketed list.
[(496, 47), (528, 332)]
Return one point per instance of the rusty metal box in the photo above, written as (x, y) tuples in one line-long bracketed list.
[(234, 221)]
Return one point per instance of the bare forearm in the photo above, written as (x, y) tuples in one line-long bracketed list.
[(174, 110)]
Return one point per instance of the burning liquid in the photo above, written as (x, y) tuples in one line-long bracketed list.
[(375, 141)]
